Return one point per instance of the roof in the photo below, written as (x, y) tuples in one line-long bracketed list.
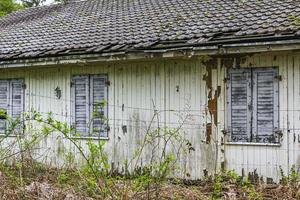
[(93, 26)]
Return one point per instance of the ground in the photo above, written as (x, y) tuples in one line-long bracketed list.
[(36, 181)]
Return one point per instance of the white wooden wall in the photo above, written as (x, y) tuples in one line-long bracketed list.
[(267, 160), (174, 87)]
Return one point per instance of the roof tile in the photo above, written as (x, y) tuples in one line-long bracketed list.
[(111, 25)]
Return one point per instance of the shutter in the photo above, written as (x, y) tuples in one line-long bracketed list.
[(81, 103), (265, 104), (4, 101), (239, 105), (99, 108), (16, 100)]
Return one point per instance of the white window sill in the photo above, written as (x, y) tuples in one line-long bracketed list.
[(253, 144), (89, 138)]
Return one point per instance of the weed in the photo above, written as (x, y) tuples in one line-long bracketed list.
[(291, 179), (63, 178), (217, 191)]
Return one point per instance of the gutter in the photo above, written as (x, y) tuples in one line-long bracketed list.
[(183, 51)]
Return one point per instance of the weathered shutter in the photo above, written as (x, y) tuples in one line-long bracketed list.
[(81, 104), (99, 104), (16, 100), (4, 102), (16, 104), (239, 104), (265, 105)]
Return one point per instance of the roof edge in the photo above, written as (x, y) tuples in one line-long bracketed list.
[(185, 52)]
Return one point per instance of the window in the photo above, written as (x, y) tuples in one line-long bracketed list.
[(11, 101), (253, 105), (90, 105)]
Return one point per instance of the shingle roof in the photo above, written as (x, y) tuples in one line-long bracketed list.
[(114, 25)]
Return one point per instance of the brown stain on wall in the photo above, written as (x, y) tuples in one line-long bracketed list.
[(208, 133), (213, 104), (233, 61), (212, 97), (227, 62)]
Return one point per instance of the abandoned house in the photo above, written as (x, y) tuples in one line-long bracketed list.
[(232, 67)]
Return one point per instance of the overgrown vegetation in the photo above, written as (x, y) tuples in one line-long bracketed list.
[(43, 182), (23, 177), (94, 177)]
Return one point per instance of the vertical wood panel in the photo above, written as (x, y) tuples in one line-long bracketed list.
[(135, 84)]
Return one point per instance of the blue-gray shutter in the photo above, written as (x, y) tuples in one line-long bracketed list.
[(239, 105), (16, 106), (265, 105), (4, 103), (81, 104), (99, 108)]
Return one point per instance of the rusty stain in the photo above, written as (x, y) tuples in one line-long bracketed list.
[(212, 98), (227, 62), (241, 60), (234, 61), (208, 79), (213, 104), (211, 63), (208, 132)]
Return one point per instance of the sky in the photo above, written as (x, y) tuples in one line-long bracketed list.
[(49, 1), (46, 3)]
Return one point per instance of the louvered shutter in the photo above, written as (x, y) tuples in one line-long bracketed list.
[(16, 100), (4, 102), (239, 104), (99, 104), (81, 104), (265, 105)]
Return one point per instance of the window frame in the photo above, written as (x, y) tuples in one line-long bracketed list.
[(252, 115), (10, 109), (89, 134)]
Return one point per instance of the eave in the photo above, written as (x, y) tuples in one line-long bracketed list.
[(185, 52)]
